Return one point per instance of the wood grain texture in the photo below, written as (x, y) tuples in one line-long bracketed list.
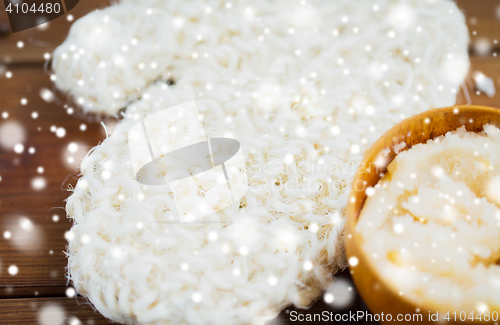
[(42, 39), (45, 311), (38, 250), (36, 241), (483, 19)]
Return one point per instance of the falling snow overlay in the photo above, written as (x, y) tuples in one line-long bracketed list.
[(484, 83), (432, 223), (305, 88)]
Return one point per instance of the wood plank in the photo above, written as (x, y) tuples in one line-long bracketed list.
[(490, 66), (72, 311), (31, 238), (48, 311), (483, 20), (42, 39)]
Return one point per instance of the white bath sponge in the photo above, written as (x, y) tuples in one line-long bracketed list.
[(304, 87), (132, 262), (387, 49)]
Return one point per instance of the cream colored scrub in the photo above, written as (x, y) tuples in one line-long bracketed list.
[(432, 224)]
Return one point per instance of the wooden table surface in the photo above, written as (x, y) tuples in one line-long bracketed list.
[(32, 219)]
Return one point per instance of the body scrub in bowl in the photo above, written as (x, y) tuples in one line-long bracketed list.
[(424, 229), (432, 223)]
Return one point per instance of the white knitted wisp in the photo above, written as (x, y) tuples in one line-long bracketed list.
[(305, 87)]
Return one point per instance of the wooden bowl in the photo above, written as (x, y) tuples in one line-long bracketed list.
[(378, 294)]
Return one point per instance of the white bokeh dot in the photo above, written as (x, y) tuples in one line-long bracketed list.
[(12, 133), (50, 314), (399, 228), (370, 191), (60, 132), (353, 261), (335, 130), (74, 321), (341, 294), (68, 235), (72, 147), (38, 183), (19, 148), (197, 297), (106, 174), (329, 298), (308, 265), (70, 292), (85, 239), (272, 280), (13, 270), (243, 250), (212, 236), (46, 95), (25, 224)]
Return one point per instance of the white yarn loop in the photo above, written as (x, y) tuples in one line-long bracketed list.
[(304, 88)]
